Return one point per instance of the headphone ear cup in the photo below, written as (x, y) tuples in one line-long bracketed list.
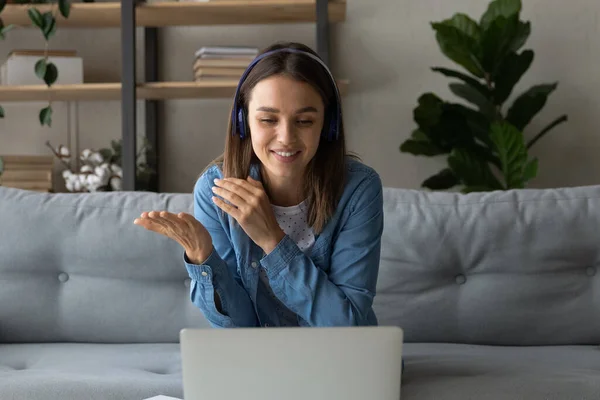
[(241, 123), (333, 133)]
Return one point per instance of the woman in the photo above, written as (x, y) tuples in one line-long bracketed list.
[(287, 226)]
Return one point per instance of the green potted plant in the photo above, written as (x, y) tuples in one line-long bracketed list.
[(484, 143), (46, 23)]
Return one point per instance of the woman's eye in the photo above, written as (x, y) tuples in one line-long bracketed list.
[(267, 121), (305, 122)]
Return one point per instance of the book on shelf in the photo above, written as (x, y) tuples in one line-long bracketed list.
[(224, 62), (223, 72), (240, 52), (16, 161), (221, 63), (28, 172), (27, 175), (19, 67)]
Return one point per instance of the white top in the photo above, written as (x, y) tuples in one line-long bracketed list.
[(292, 220)]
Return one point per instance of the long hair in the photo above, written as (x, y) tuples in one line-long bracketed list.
[(325, 175)]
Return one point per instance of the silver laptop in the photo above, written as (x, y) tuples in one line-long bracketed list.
[(344, 363)]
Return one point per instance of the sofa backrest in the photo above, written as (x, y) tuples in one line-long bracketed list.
[(74, 267), (516, 267), (509, 268)]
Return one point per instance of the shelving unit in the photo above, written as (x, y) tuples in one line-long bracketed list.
[(112, 91), (237, 12), (129, 14)]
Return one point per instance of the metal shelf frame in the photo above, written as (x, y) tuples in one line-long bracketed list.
[(151, 74)]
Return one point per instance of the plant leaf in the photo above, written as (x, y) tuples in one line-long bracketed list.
[(521, 35), (51, 74), (443, 180), (481, 88), (459, 47), (530, 170), (509, 74), (65, 8), (465, 24), (49, 25), (418, 134), (46, 116), (421, 148), (529, 104), (428, 112), (36, 17), (543, 132), (496, 42), (510, 146), (5, 29), (471, 95), (40, 68), (497, 8), (476, 123), (472, 170)]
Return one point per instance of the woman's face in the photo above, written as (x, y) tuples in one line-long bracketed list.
[(285, 117)]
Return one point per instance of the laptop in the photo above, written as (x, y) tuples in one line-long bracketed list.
[(338, 363)]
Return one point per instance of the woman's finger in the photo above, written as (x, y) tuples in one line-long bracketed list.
[(235, 185), (150, 225), (229, 209), (189, 220), (246, 185), (234, 198)]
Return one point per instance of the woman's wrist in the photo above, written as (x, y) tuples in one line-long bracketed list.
[(197, 257), (270, 245)]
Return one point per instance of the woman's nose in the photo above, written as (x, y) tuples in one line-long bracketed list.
[(287, 132)]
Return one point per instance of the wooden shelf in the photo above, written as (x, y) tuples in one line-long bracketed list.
[(112, 91), (222, 12)]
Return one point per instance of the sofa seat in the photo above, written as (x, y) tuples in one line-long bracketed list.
[(463, 372), (89, 371)]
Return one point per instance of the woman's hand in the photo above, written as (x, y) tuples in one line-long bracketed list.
[(183, 228), (248, 204)]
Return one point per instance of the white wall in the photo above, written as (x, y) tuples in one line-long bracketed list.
[(386, 49)]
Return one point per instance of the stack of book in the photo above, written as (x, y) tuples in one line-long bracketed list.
[(28, 172), (213, 63)]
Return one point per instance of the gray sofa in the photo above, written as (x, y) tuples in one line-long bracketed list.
[(498, 294)]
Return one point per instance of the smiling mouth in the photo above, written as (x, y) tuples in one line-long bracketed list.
[(286, 153)]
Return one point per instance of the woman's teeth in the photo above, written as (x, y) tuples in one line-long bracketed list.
[(285, 154)]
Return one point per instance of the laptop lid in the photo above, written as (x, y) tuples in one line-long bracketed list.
[(340, 363)]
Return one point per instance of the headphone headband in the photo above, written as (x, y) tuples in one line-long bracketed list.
[(238, 118)]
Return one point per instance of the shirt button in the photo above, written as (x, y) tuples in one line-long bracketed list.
[(204, 273), (254, 264)]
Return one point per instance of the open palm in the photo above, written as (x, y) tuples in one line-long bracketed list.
[(183, 228)]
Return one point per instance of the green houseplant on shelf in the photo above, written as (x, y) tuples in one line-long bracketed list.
[(483, 143), (46, 23)]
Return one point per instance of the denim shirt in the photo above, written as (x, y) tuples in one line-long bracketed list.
[(333, 285)]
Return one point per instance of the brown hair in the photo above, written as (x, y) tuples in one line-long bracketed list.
[(325, 175)]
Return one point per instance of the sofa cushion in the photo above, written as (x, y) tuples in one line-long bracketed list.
[(89, 371), (74, 268), (509, 267), (468, 372)]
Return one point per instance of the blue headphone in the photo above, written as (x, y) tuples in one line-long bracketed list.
[(238, 116)]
